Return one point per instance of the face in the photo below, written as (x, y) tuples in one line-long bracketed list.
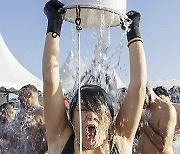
[(10, 114), (95, 126), (24, 95)]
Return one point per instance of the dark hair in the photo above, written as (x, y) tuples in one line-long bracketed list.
[(30, 87), (92, 96), (160, 90)]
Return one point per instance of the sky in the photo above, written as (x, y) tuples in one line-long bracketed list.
[(23, 28)]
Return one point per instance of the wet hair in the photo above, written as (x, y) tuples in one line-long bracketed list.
[(92, 97), (30, 87), (160, 90)]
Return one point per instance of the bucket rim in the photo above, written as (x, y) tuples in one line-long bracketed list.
[(118, 15), (93, 7)]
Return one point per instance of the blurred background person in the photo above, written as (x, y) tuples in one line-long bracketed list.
[(30, 122)]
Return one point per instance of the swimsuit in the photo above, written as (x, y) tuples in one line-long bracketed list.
[(69, 147)]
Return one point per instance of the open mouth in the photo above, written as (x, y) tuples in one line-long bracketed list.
[(90, 131)]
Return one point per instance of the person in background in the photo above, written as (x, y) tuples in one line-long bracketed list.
[(100, 134), (164, 94), (157, 124), (30, 122), (7, 116), (7, 113)]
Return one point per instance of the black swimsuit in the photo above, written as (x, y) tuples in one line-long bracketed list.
[(69, 147)]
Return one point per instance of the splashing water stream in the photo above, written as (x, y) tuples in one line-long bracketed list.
[(100, 64), (79, 91), (98, 69)]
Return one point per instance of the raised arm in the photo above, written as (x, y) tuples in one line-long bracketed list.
[(54, 110), (131, 109)]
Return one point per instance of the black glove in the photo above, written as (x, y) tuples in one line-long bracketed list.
[(134, 26), (54, 17)]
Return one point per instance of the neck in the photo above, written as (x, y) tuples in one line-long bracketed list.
[(102, 149), (34, 103)]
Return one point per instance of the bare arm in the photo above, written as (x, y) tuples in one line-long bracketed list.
[(130, 113), (54, 110)]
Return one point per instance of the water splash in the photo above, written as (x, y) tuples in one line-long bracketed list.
[(99, 60), (18, 136)]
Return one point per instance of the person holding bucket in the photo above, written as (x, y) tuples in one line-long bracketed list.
[(101, 131)]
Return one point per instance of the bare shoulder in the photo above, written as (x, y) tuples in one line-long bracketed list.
[(177, 107), (39, 111), (168, 112), (171, 109), (167, 107), (173, 112)]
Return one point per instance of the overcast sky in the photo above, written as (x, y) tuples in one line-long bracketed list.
[(23, 27)]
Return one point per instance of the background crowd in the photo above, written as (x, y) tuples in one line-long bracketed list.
[(22, 127)]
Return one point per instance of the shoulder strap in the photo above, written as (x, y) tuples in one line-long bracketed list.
[(69, 147), (113, 147)]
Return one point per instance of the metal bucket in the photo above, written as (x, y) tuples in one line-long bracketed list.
[(94, 13)]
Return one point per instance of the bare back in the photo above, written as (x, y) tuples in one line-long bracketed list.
[(158, 135)]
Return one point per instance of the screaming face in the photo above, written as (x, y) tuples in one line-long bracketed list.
[(90, 132), (94, 126)]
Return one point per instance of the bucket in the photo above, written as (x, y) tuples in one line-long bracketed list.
[(94, 12)]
